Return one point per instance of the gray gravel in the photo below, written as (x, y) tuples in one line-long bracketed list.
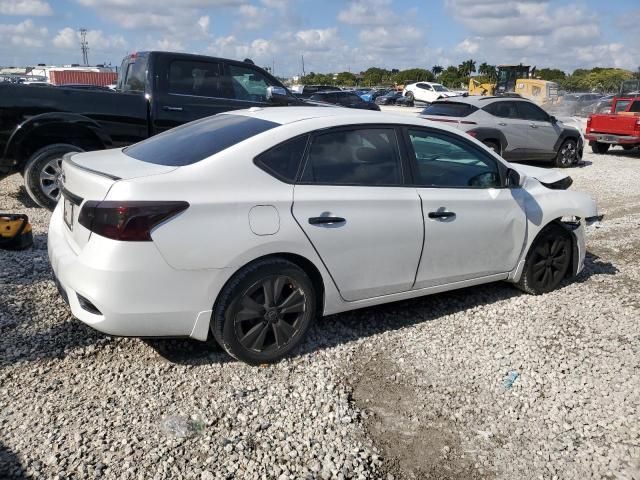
[(480, 383)]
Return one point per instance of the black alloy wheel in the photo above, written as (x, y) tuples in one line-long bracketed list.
[(264, 311), (548, 261), (269, 314), (568, 154)]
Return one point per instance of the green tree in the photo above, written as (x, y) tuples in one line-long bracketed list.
[(346, 78), (467, 67), (376, 76), (413, 75), (451, 77), (551, 74), (437, 70), (487, 71)]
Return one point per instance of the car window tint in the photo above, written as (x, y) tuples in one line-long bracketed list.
[(354, 157), (502, 109), (197, 140), (529, 111), (349, 98), (449, 109), (635, 106), (284, 160), (203, 79), (446, 162), (622, 105), (249, 84)]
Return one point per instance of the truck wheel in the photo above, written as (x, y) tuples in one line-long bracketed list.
[(42, 174), (567, 154), (600, 148)]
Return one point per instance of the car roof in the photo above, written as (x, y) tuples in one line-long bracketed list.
[(481, 100), (339, 116)]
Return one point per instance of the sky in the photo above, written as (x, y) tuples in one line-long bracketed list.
[(332, 35)]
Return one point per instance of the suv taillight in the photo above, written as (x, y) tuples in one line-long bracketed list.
[(127, 221)]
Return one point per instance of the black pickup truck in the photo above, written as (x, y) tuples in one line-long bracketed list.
[(156, 91)]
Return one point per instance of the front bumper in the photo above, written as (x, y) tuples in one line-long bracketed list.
[(134, 291)]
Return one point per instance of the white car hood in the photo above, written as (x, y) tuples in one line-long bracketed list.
[(544, 175)]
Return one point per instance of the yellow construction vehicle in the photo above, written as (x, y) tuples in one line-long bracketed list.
[(517, 79)]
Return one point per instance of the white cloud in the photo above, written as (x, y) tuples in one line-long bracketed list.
[(252, 17), (368, 12), (468, 46), (391, 37), (22, 35), (25, 7), (318, 39), (203, 23)]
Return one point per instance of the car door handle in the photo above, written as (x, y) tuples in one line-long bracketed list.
[(326, 220), (502, 124), (441, 214), (167, 108)]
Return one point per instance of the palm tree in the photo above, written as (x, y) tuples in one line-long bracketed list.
[(487, 70), (437, 70), (467, 67)]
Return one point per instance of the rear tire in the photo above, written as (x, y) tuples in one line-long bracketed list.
[(42, 174), (600, 148), (567, 154), (548, 261), (628, 147), (264, 311), (410, 96)]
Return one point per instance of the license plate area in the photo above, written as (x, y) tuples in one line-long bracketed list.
[(68, 213)]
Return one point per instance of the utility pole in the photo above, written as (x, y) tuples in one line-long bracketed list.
[(303, 72), (84, 46)]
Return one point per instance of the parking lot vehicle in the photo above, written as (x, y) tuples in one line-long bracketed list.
[(248, 224), (426, 92), (344, 99), (515, 128), (306, 91), (371, 95), (156, 91), (394, 98), (575, 103), (621, 126)]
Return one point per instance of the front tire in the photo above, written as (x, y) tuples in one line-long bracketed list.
[(548, 261), (264, 311), (567, 154), (600, 148), (43, 171)]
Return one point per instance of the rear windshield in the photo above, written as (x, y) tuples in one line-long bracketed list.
[(449, 109), (197, 140)]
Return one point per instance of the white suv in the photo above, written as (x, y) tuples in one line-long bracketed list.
[(427, 92)]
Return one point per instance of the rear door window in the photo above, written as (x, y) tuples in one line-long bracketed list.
[(283, 161), (449, 109), (203, 79), (367, 156), (529, 111), (195, 141), (502, 109)]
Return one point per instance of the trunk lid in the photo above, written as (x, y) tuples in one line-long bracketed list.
[(90, 176)]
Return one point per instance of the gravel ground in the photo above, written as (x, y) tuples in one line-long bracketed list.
[(480, 383)]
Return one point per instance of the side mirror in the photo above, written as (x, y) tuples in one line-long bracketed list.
[(553, 119), (277, 95), (513, 179)]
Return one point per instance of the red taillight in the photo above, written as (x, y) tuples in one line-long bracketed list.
[(127, 221), (472, 133)]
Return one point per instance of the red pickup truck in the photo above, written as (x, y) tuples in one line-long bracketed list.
[(619, 127)]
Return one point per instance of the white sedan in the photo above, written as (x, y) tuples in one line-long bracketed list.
[(250, 224), (427, 92)]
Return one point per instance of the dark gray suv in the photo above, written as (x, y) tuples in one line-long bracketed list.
[(516, 128)]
